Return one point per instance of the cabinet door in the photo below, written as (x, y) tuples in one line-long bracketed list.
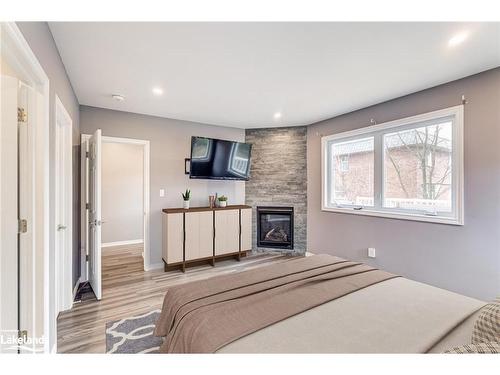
[(174, 237), (206, 234), (226, 231), (246, 229), (199, 235), (220, 240), (192, 229), (233, 231)]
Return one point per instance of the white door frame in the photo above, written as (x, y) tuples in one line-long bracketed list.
[(63, 201), (146, 204), (15, 46)]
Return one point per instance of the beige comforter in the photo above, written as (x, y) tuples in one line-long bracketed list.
[(204, 316), (395, 316)]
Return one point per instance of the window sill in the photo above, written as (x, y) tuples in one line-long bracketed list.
[(399, 216)]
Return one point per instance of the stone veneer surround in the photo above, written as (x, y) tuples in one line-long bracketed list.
[(278, 177)]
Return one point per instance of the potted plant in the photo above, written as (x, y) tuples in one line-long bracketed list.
[(222, 201), (186, 196)]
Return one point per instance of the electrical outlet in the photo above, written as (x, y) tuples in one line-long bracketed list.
[(371, 252), (162, 192)]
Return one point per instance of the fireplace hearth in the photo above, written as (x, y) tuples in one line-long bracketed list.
[(275, 227)]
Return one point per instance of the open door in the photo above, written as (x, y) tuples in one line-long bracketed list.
[(26, 120), (9, 280), (17, 300), (94, 212)]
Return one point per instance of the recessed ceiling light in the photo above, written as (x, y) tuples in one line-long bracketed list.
[(277, 115), (458, 39), (157, 91), (118, 97)]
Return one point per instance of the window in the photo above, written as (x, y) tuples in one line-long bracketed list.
[(407, 169), (352, 186)]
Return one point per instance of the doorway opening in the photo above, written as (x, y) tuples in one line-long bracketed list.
[(122, 184), (115, 206)]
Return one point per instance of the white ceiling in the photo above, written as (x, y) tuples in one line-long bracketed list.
[(240, 74)]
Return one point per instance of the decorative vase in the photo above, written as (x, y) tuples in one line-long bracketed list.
[(186, 205), (222, 203)]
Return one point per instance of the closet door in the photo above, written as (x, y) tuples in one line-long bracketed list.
[(246, 229)]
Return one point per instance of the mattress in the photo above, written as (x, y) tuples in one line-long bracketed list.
[(395, 316)]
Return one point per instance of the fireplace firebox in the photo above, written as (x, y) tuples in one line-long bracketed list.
[(275, 227)]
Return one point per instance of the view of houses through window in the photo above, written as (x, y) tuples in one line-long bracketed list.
[(415, 169), (418, 168), (353, 181)]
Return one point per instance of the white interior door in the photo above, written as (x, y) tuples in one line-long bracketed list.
[(94, 212), (8, 211), (26, 120), (63, 210)]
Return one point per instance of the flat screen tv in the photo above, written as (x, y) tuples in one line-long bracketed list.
[(217, 159)]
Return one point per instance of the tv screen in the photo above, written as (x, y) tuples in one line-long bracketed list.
[(218, 159)]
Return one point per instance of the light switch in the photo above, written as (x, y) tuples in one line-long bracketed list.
[(371, 252), (162, 192)]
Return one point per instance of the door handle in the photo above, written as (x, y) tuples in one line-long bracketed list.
[(61, 227)]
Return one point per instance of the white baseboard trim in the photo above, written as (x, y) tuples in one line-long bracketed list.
[(120, 243), (154, 266)]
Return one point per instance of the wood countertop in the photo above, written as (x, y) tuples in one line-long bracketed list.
[(198, 209)]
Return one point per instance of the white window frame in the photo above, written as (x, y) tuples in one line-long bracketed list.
[(377, 131)]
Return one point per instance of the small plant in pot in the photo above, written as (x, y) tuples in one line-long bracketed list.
[(222, 201), (186, 196)]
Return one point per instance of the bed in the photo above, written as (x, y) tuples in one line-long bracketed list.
[(317, 304)]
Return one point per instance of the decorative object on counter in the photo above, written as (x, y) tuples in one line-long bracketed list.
[(186, 196), (211, 201), (222, 201)]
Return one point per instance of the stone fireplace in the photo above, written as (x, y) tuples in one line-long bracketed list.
[(275, 227), (278, 179)]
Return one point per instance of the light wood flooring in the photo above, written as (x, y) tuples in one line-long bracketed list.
[(127, 291)]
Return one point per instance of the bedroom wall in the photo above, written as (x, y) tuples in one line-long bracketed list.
[(464, 259), (170, 143), (122, 192), (278, 177)]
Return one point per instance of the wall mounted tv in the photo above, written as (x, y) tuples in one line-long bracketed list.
[(217, 159)]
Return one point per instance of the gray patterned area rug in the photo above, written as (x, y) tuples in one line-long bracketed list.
[(133, 335)]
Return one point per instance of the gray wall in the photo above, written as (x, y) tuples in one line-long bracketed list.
[(465, 259), (170, 142), (122, 192), (278, 176), (40, 40)]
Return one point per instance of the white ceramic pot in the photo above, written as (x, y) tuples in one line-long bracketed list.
[(186, 204), (222, 203)]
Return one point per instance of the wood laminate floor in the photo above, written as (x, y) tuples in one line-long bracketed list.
[(127, 290)]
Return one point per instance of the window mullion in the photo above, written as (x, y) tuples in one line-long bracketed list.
[(378, 170)]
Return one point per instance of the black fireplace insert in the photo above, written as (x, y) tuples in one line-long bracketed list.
[(275, 227)]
